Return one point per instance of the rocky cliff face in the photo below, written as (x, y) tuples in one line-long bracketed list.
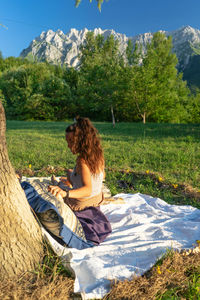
[(59, 48)]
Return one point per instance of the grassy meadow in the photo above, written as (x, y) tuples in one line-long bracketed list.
[(162, 160), (158, 159)]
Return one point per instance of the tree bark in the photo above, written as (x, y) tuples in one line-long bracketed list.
[(113, 116), (144, 118), (20, 236)]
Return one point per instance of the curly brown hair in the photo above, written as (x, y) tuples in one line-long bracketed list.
[(86, 143)]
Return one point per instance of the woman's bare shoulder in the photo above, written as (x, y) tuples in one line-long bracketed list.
[(80, 164)]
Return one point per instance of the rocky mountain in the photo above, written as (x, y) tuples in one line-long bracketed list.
[(59, 48)]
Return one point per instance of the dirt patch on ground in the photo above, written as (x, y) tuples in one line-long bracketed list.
[(30, 287), (175, 275)]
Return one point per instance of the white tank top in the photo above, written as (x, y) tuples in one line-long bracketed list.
[(97, 181)]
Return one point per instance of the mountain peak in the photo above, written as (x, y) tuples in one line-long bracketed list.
[(57, 47), (188, 28)]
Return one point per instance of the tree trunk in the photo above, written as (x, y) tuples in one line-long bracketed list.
[(113, 116), (20, 236), (144, 117)]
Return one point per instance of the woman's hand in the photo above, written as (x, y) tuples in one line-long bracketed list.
[(69, 171), (63, 179), (66, 181), (56, 191)]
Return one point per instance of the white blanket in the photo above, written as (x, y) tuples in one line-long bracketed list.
[(142, 229)]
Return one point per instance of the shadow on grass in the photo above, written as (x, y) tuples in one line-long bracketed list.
[(125, 130)]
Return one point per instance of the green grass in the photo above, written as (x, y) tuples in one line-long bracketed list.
[(170, 150), (190, 291), (51, 265)]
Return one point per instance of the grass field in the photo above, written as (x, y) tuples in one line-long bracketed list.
[(158, 159), (162, 160)]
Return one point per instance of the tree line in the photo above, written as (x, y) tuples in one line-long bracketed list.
[(134, 86)]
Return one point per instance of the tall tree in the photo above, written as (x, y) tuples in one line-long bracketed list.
[(100, 65), (156, 84), (131, 83), (20, 237)]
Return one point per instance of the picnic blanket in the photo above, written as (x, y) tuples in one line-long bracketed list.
[(143, 228)]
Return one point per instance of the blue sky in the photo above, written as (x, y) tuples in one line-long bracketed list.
[(26, 19)]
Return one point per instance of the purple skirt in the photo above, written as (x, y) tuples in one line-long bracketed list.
[(95, 224)]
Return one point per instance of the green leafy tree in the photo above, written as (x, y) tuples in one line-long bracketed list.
[(2, 98), (100, 63), (156, 88), (11, 62), (72, 76), (36, 91), (130, 83), (99, 3), (133, 53), (16, 88), (193, 107), (1, 61), (57, 97), (159, 73)]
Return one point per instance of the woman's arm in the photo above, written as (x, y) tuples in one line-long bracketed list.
[(84, 191), (67, 180)]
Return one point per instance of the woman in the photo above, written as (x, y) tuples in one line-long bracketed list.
[(86, 180)]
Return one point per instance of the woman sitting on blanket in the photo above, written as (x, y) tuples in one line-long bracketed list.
[(86, 179)]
